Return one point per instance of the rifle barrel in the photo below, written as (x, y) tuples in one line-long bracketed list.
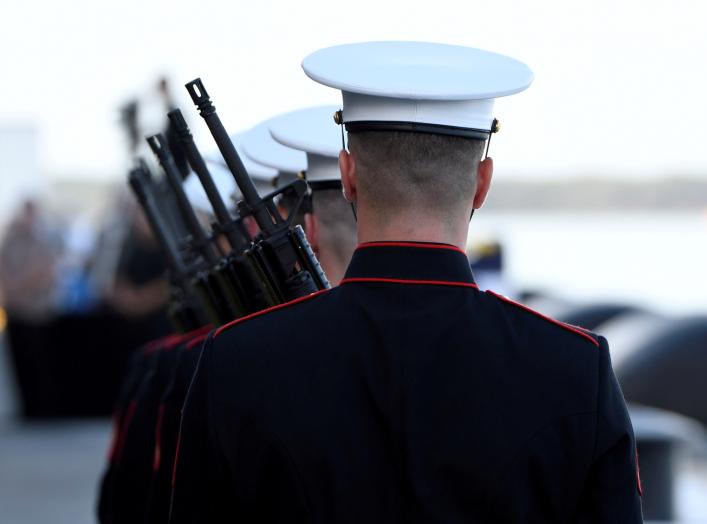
[(237, 236), (201, 243), (141, 184), (250, 194)]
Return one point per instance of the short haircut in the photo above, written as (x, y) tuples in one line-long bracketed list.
[(402, 170), (337, 224)]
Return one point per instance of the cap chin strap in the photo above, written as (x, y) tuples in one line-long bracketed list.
[(324, 184)]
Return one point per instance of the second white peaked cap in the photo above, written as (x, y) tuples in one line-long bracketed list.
[(311, 130), (418, 86), (259, 146)]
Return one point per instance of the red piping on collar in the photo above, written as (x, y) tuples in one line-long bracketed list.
[(452, 283), (267, 310), (420, 245), (568, 327)]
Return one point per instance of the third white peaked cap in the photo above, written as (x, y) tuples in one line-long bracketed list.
[(311, 130), (423, 86)]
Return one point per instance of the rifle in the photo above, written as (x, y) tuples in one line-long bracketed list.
[(236, 271), (281, 251), (182, 310), (196, 243)]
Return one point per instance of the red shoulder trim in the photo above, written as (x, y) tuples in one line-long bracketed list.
[(156, 345), (268, 310), (195, 342), (420, 245), (568, 327), (413, 282), (173, 340)]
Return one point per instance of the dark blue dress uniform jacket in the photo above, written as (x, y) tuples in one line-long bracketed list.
[(405, 395)]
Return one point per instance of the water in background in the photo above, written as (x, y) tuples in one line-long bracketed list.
[(654, 260)]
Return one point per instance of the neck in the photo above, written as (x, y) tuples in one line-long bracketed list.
[(412, 227), (332, 266)]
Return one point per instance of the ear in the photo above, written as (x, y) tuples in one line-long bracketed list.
[(311, 227), (347, 166), (483, 181)]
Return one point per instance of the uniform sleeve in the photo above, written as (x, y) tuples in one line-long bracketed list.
[(612, 490), (199, 477)]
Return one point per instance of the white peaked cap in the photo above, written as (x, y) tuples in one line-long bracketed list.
[(418, 86), (259, 146), (311, 130)]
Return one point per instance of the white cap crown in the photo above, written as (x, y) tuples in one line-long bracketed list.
[(417, 86)]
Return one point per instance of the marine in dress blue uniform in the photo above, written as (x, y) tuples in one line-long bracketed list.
[(417, 397)]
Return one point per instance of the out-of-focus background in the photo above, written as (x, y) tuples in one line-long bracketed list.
[(598, 214)]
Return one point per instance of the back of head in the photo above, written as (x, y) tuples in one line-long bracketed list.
[(418, 115), (401, 171)]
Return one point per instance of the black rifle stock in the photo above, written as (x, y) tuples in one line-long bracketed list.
[(182, 310), (283, 254)]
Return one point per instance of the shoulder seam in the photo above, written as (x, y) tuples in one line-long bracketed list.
[(268, 310), (568, 327)]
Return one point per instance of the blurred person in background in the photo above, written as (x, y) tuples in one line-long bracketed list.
[(28, 276), (140, 291)]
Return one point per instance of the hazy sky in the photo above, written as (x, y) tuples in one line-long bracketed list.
[(619, 85)]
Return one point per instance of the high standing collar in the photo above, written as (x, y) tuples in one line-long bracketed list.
[(409, 263)]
